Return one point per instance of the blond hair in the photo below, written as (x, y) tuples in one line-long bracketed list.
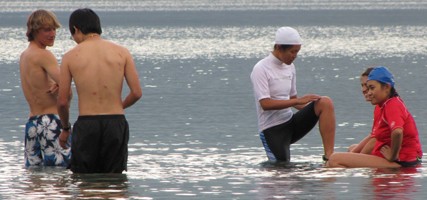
[(40, 19)]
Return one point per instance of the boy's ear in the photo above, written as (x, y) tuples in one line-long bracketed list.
[(75, 29)]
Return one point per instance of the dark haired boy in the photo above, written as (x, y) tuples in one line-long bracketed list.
[(98, 67)]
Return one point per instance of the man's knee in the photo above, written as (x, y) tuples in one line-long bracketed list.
[(326, 100), (323, 103)]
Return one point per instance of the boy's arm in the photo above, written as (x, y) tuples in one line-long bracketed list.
[(50, 64), (63, 103), (132, 79)]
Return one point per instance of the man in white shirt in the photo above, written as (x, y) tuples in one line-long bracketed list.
[(273, 80)]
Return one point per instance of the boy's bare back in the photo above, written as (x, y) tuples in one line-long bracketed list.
[(34, 65), (98, 68)]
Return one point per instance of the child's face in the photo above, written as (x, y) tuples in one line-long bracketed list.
[(378, 93)]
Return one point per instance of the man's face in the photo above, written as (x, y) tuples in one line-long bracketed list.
[(288, 56), (45, 36), (365, 87)]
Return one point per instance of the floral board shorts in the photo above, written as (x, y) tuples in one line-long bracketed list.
[(42, 143)]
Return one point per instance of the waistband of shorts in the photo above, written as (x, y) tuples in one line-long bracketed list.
[(409, 164), (97, 117), (40, 116)]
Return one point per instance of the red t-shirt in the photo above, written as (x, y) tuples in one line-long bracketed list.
[(393, 114), (377, 117)]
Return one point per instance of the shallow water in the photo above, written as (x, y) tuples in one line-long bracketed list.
[(194, 132)]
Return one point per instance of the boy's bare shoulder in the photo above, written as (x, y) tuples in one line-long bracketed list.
[(37, 56), (70, 52), (116, 46)]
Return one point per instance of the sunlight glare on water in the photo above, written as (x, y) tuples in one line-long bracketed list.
[(173, 43), (178, 5), (194, 134)]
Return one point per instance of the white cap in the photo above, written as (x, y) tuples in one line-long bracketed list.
[(288, 36)]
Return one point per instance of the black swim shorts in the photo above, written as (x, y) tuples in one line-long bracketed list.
[(100, 144), (277, 139), (409, 164)]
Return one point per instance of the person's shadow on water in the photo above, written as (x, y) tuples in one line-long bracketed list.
[(104, 186), (45, 180), (398, 183), (291, 180)]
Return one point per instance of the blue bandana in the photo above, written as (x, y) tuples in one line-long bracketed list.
[(381, 74)]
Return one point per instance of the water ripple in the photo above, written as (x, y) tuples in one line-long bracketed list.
[(193, 171), (171, 43), (207, 5)]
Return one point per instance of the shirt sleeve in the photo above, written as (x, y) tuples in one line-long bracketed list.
[(293, 91), (395, 115), (260, 83), (377, 117)]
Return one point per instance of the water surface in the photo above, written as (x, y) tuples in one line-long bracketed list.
[(194, 131)]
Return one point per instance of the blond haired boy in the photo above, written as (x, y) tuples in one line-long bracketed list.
[(39, 77)]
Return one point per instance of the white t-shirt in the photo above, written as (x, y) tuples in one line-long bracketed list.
[(273, 79)]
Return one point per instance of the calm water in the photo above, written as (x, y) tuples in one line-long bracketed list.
[(194, 132)]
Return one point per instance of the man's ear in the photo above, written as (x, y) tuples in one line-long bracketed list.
[(75, 29)]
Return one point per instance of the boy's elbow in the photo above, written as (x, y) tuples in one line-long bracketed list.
[(62, 103), (138, 94), (61, 106), (266, 104), (265, 108)]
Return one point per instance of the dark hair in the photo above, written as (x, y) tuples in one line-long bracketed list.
[(85, 20), (393, 92), (368, 71), (284, 47)]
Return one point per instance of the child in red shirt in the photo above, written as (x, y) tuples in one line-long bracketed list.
[(394, 128)]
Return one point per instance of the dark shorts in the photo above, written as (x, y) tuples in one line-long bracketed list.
[(100, 144), (409, 164), (277, 139)]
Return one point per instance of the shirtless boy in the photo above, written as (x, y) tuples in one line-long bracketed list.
[(39, 73), (98, 67)]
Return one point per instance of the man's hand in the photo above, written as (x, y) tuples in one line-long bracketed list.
[(54, 90), (307, 99), (386, 151), (63, 138)]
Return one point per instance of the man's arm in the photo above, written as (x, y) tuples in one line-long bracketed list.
[(361, 145), (132, 79), (50, 64), (63, 103), (294, 101)]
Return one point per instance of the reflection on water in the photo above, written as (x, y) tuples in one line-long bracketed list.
[(39, 182), (395, 183), (184, 172), (173, 43), (59, 183), (193, 134), (178, 5), (322, 183), (105, 186)]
